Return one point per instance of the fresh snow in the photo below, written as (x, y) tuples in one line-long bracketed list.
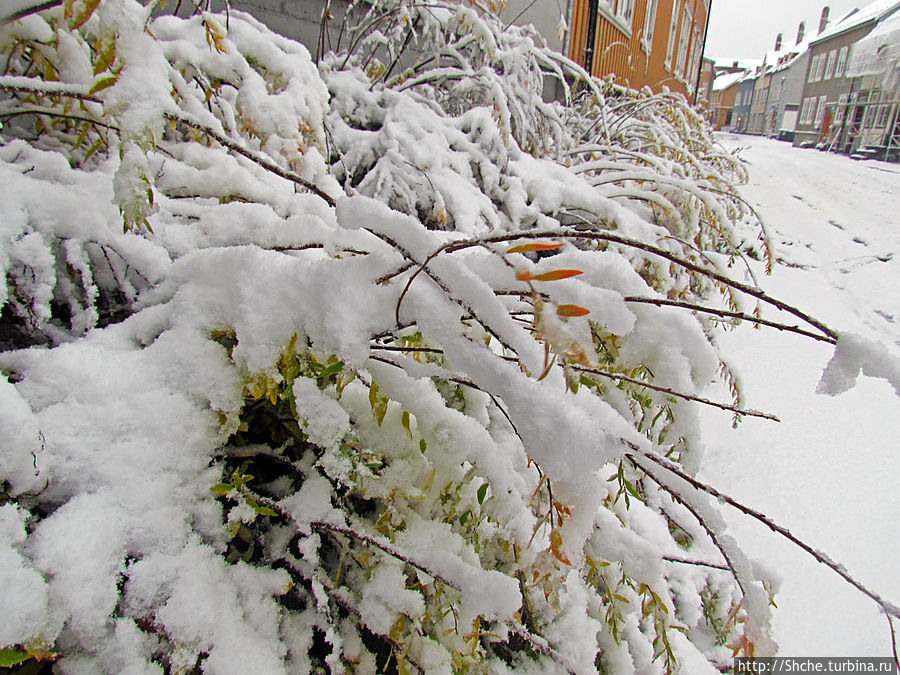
[(828, 472), (299, 355)]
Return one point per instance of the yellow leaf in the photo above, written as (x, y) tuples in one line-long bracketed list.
[(84, 13), (555, 544)]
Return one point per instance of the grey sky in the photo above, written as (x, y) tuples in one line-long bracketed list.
[(747, 28)]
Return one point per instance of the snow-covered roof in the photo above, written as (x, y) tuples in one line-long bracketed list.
[(875, 11), (743, 64), (727, 80)]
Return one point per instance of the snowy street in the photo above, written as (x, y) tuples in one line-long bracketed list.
[(829, 471)]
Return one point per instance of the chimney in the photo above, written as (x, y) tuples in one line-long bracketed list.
[(801, 32), (778, 43), (823, 22)]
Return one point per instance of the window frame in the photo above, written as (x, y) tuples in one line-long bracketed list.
[(649, 25), (673, 34), (832, 60), (821, 105)]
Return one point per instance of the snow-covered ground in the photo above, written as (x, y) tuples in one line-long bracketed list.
[(829, 471)]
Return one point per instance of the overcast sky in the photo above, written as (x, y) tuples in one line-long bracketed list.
[(747, 28)]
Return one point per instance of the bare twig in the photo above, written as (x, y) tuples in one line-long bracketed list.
[(254, 157), (749, 412), (28, 11), (661, 302), (698, 563)]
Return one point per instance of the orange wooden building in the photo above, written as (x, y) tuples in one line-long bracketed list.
[(657, 43)]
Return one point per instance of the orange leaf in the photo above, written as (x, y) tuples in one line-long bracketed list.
[(572, 310), (556, 275), (524, 275), (536, 246)]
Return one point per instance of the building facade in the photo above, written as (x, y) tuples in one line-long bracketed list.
[(654, 43), (870, 123), (834, 108), (740, 118)]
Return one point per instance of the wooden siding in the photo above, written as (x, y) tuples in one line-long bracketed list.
[(622, 53)]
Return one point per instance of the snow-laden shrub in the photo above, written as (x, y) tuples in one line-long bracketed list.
[(380, 365)]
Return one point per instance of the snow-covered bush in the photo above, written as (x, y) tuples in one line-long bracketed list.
[(380, 364)]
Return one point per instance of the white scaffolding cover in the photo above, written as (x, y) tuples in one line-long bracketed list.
[(879, 53)]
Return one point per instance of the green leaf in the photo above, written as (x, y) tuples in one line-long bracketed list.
[(103, 83), (221, 488), (482, 493), (379, 403), (12, 657), (106, 53), (333, 369), (404, 420)]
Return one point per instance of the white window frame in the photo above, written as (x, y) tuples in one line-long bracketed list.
[(832, 59), (820, 111), (673, 34), (649, 25), (620, 13), (806, 115), (813, 64), (841, 112), (820, 67), (841, 61), (695, 57), (684, 40)]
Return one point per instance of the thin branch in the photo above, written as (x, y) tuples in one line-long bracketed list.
[(254, 157), (28, 11), (749, 412), (821, 557), (661, 302), (893, 640), (32, 86), (699, 518), (698, 563), (596, 235)]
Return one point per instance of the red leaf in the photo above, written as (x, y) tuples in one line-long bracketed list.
[(572, 310)]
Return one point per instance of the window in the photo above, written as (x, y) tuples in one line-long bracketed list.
[(621, 11), (841, 110), (841, 62), (820, 111), (649, 24), (625, 10), (695, 56), (832, 59), (806, 115), (820, 67), (683, 41), (813, 64), (673, 28)]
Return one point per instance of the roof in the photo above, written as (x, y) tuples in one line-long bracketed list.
[(876, 11), (727, 80)]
